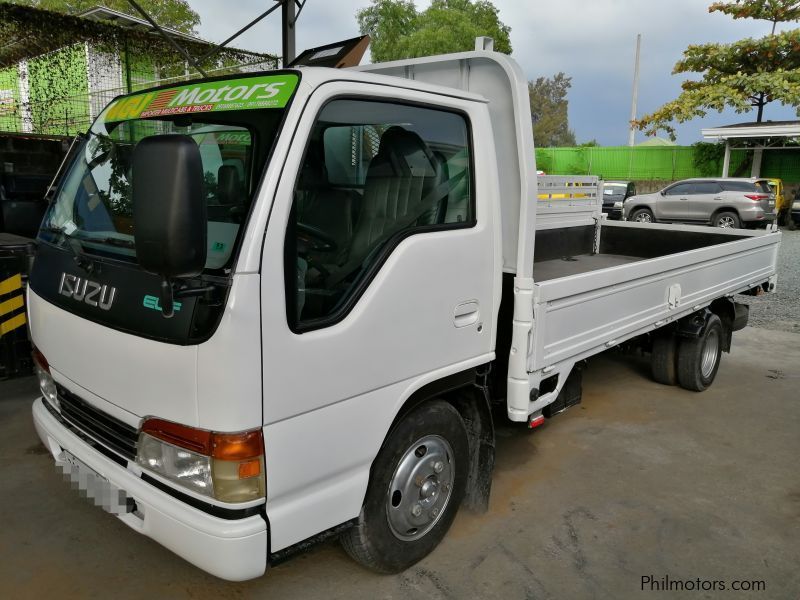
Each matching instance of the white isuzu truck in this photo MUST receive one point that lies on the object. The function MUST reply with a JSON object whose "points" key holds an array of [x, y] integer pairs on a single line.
{"points": [[281, 306]]}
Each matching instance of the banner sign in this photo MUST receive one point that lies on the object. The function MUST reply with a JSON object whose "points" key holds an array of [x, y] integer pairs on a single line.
{"points": [[247, 93]]}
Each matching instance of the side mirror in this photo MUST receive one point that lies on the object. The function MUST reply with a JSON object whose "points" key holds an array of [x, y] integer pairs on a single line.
{"points": [[169, 210]]}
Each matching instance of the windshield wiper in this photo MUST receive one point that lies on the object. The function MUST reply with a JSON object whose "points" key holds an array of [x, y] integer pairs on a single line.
{"points": [[112, 241], [74, 246]]}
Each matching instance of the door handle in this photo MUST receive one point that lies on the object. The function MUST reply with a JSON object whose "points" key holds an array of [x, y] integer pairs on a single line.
{"points": [[717, 198], [466, 314]]}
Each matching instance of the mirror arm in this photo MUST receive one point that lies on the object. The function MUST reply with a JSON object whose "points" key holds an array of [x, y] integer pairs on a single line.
{"points": [[167, 299], [187, 292]]}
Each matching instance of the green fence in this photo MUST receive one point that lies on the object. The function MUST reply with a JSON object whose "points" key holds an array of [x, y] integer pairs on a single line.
{"points": [[667, 163]]}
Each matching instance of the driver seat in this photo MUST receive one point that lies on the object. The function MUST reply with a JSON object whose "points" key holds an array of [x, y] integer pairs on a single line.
{"points": [[397, 191]]}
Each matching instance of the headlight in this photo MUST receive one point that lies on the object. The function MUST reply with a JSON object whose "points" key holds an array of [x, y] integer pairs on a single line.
{"points": [[618, 204], [796, 205], [182, 466], [46, 384], [225, 466]]}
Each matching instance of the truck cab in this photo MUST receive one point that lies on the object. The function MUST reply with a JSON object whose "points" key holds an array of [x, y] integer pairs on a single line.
{"points": [[324, 197]]}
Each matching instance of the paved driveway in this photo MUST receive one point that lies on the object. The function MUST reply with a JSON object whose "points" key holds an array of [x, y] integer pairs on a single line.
{"points": [[640, 480]]}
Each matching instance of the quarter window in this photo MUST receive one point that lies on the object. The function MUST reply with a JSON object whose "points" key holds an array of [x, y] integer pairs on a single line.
{"points": [[373, 173]]}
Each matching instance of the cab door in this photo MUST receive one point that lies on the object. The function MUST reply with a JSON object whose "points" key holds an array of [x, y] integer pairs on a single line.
{"points": [[378, 273]]}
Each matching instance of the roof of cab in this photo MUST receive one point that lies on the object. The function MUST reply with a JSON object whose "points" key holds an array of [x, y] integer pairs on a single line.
{"points": [[316, 76]]}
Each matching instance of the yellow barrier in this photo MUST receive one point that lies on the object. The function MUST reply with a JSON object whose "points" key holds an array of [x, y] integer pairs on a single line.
{"points": [[8, 286]]}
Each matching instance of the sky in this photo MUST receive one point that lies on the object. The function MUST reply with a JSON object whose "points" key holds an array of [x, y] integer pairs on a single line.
{"points": [[592, 41]]}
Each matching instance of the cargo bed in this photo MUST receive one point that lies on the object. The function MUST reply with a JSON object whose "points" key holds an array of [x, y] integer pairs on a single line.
{"points": [[642, 277]]}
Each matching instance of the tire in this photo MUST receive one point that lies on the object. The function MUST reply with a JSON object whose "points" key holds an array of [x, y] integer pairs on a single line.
{"points": [[642, 215], [726, 220], [699, 358], [663, 360], [429, 445]]}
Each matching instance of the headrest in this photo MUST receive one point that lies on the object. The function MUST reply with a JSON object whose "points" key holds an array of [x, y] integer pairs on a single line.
{"points": [[398, 142], [229, 186]]}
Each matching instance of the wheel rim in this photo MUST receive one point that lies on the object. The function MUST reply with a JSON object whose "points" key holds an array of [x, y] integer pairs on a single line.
{"points": [[726, 222], [420, 488], [643, 218], [710, 354]]}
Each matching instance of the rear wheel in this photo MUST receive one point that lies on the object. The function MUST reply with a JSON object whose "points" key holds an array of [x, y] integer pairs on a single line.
{"points": [[663, 359], [726, 220], [643, 215], [699, 358], [417, 483]]}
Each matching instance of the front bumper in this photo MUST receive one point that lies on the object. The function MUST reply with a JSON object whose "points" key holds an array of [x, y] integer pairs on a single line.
{"points": [[614, 214], [795, 211], [231, 549]]}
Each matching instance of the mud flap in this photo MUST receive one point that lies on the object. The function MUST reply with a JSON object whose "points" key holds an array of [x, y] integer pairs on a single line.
{"points": [[570, 394]]}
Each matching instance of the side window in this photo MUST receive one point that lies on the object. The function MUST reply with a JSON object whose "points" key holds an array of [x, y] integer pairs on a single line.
{"points": [[373, 173], [680, 189], [706, 187], [738, 186]]}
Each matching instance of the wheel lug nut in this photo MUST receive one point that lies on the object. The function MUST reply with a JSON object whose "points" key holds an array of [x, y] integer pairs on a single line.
{"points": [[434, 512], [416, 510], [438, 466]]}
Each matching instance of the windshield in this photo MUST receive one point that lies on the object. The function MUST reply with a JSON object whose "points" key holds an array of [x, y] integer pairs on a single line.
{"points": [[233, 122], [615, 189]]}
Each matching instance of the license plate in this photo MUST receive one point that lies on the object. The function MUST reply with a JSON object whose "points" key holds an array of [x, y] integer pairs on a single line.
{"points": [[93, 486]]}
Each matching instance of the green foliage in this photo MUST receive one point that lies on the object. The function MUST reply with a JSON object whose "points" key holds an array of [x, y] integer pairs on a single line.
{"points": [[777, 11], [54, 46], [176, 14], [707, 158], [548, 98], [388, 23], [398, 30], [744, 75]]}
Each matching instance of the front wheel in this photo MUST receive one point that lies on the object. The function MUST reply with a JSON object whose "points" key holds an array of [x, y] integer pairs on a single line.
{"points": [[416, 486], [699, 358], [727, 220], [643, 215]]}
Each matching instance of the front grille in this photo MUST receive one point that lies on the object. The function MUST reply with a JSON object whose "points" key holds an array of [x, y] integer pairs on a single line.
{"points": [[111, 432]]}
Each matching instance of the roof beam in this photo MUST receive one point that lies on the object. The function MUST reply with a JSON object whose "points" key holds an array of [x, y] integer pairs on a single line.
{"points": [[166, 36]]}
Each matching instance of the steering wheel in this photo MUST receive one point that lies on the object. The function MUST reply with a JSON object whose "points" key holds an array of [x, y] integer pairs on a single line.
{"points": [[315, 239]]}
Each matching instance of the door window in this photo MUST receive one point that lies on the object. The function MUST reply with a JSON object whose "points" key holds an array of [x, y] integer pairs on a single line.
{"points": [[373, 173], [680, 189]]}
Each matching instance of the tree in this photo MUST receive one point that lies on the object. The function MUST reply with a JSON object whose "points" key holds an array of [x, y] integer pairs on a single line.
{"points": [[548, 98], [745, 75], [398, 30], [176, 14]]}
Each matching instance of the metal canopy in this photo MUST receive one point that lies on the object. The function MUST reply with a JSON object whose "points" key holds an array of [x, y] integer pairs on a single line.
{"points": [[291, 10], [769, 135]]}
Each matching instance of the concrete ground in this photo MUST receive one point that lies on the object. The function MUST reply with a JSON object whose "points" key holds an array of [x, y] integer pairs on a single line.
{"points": [[639, 480]]}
